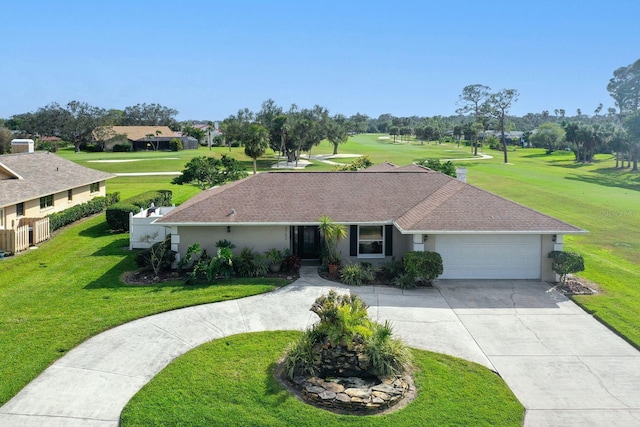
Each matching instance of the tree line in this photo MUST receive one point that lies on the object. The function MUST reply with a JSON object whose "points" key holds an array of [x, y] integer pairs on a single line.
{"points": [[294, 130], [76, 121]]}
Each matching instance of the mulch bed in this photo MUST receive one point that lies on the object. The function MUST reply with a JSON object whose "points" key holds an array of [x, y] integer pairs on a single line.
{"points": [[146, 277], [576, 286]]}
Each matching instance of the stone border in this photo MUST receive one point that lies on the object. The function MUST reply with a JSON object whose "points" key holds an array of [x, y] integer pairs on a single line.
{"points": [[380, 398]]}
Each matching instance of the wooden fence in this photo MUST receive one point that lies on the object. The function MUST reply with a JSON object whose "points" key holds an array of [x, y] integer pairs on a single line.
{"points": [[30, 231], [40, 227], [13, 241]]}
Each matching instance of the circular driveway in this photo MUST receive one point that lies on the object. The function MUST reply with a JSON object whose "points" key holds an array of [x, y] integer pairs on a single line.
{"points": [[564, 366]]}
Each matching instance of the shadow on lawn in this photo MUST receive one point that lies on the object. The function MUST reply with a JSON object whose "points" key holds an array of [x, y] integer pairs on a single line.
{"points": [[605, 178]]}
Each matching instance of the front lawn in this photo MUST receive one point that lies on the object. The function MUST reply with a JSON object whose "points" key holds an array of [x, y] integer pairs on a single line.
{"points": [[55, 297], [230, 382]]}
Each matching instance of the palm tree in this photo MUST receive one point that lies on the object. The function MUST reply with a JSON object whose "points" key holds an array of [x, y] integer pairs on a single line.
{"points": [[256, 141]]}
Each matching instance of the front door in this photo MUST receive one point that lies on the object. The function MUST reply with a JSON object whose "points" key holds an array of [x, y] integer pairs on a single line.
{"points": [[306, 241]]}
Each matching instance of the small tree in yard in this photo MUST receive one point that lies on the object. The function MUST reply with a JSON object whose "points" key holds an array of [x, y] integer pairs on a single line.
{"points": [[158, 257], [565, 263]]}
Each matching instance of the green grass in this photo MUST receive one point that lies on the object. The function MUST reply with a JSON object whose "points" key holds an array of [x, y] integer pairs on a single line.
{"points": [[129, 186], [55, 297], [230, 382]]}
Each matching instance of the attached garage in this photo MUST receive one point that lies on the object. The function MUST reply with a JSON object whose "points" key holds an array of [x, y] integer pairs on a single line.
{"points": [[486, 256]]}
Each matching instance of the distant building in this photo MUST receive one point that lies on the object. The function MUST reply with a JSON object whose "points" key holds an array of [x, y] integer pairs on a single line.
{"points": [[142, 138]]}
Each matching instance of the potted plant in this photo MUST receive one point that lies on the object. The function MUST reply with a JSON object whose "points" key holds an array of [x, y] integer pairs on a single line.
{"points": [[275, 257], [331, 233]]}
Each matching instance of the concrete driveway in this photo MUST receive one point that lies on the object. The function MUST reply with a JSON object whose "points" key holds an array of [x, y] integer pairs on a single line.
{"points": [[564, 366]]}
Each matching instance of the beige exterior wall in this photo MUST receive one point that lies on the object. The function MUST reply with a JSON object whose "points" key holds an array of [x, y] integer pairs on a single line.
{"points": [[258, 238], [60, 203], [548, 245]]}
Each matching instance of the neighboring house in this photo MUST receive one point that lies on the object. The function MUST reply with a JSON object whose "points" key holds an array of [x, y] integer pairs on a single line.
{"points": [[36, 184], [388, 211], [143, 138]]}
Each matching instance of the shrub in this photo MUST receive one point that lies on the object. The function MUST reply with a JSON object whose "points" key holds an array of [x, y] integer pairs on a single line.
{"points": [[175, 144], [192, 251], [446, 168], [60, 219], [122, 148], [352, 274], [357, 274], [387, 355], [157, 197], [565, 262], [360, 163], [118, 216], [199, 271], [424, 265], [392, 269], [249, 264], [93, 148], [404, 281], [291, 264], [343, 318], [221, 265], [300, 356]]}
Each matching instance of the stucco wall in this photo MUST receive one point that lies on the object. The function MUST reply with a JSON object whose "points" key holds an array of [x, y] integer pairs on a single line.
{"points": [[548, 245], [258, 238]]}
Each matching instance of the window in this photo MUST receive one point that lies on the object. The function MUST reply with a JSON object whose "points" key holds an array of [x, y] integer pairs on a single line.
{"points": [[371, 241], [1, 218], [46, 201], [95, 187], [69, 195], [20, 209]]}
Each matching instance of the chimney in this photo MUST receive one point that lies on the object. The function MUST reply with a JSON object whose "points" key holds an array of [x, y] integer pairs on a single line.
{"points": [[22, 146], [461, 174]]}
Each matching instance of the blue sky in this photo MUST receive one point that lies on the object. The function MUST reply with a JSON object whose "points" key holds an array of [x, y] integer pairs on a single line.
{"points": [[207, 59]]}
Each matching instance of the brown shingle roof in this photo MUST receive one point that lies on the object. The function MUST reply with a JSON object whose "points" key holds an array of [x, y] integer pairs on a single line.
{"points": [[42, 174], [135, 133], [414, 201]]}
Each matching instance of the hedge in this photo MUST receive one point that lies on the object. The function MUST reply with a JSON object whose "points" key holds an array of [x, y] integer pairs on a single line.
{"points": [[118, 215], [144, 200], [122, 148], [60, 219]]}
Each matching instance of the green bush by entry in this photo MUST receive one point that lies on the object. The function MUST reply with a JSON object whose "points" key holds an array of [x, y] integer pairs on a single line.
{"points": [[423, 265], [357, 274]]}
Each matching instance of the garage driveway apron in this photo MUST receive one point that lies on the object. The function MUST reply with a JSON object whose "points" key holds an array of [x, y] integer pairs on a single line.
{"points": [[564, 366]]}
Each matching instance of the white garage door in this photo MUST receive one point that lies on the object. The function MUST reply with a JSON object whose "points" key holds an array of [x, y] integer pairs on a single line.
{"points": [[490, 256]]}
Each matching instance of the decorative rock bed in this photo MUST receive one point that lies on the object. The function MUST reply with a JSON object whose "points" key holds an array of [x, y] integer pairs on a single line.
{"points": [[346, 363], [352, 394]]}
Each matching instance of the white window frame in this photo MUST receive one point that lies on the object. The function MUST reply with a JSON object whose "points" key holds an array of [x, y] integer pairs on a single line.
{"points": [[53, 200], [382, 240]]}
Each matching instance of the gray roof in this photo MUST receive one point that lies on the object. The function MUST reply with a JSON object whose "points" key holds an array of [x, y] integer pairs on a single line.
{"points": [[42, 173], [414, 198]]}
